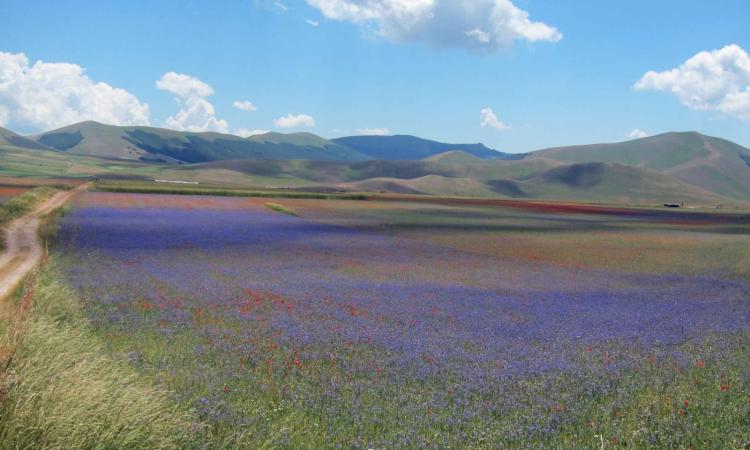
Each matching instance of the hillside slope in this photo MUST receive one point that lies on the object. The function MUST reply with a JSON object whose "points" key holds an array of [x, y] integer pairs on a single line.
{"points": [[11, 139], [595, 182], [710, 163], [160, 145]]}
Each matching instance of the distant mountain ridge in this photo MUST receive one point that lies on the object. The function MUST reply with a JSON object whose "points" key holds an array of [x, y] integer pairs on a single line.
{"points": [[158, 145], [405, 147], [671, 168]]}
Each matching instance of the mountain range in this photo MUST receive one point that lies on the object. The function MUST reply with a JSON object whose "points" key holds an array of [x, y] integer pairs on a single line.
{"points": [[160, 145], [671, 167]]}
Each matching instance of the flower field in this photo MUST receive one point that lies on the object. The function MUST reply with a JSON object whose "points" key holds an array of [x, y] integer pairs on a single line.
{"points": [[8, 192], [408, 325]]}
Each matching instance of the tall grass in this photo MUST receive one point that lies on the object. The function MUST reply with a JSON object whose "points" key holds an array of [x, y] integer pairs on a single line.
{"points": [[281, 208], [189, 190], [51, 225], [61, 389], [24, 203]]}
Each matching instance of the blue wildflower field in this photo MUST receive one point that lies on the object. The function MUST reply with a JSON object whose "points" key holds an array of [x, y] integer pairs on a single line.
{"points": [[450, 328]]}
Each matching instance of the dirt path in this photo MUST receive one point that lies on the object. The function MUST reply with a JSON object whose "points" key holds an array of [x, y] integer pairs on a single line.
{"points": [[23, 248]]}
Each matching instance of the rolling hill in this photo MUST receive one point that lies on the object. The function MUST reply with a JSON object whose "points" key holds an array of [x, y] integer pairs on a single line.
{"points": [[403, 147], [11, 139], [158, 145], [711, 163], [669, 168], [594, 182]]}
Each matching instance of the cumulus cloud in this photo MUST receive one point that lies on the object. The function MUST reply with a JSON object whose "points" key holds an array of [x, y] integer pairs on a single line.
{"points": [[183, 86], [292, 121], [244, 132], [638, 134], [374, 131], [474, 24], [717, 80], [489, 119], [196, 113], [50, 95], [244, 105], [312, 23]]}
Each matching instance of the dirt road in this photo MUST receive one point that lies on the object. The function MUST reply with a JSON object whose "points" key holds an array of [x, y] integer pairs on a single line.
{"points": [[23, 248]]}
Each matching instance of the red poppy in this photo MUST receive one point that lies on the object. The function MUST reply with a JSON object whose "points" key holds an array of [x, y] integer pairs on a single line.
{"points": [[700, 363]]}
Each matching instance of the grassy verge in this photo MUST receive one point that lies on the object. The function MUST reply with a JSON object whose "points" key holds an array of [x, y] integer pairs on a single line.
{"points": [[189, 190], [61, 389], [51, 224], [23, 203], [281, 208]]}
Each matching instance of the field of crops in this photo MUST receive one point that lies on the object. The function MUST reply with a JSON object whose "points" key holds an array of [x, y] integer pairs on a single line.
{"points": [[8, 192], [385, 324]]}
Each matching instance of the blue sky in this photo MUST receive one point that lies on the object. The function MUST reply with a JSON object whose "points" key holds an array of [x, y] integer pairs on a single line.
{"points": [[569, 80]]}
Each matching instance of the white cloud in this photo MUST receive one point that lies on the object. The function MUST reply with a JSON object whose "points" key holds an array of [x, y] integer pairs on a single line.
{"points": [[184, 86], [292, 121], [374, 131], [481, 36], [637, 134], [718, 80], [474, 24], [196, 113], [244, 105], [312, 23], [489, 119], [50, 95], [244, 132], [282, 7]]}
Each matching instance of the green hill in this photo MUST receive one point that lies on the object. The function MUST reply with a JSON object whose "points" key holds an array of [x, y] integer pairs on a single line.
{"points": [[160, 145], [710, 163], [596, 181], [669, 168], [591, 182], [11, 139]]}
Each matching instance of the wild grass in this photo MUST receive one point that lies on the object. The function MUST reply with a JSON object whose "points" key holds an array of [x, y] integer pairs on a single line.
{"points": [[191, 190], [51, 225], [22, 204], [61, 389], [281, 208]]}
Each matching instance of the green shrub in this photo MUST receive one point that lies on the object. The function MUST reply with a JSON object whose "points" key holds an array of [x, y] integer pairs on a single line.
{"points": [[281, 208], [20, 205]]}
